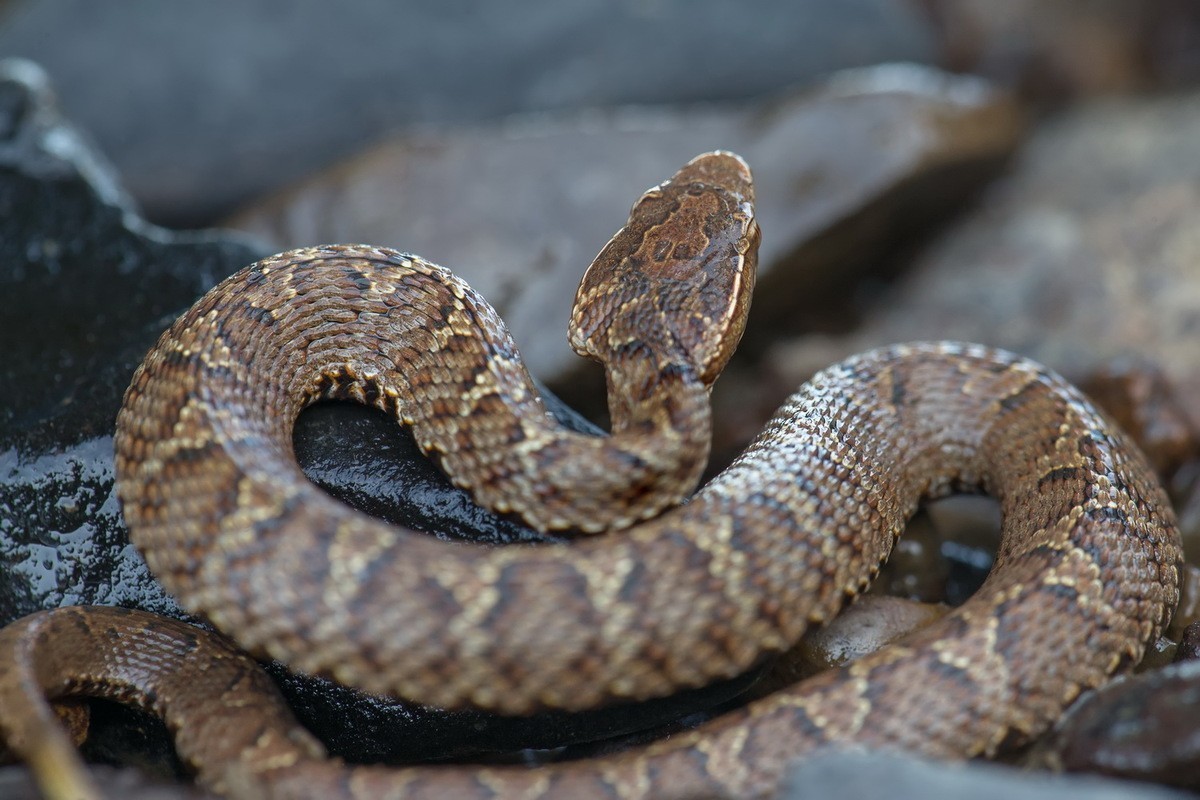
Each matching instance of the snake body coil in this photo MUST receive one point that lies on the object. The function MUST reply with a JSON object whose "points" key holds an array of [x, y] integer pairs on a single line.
{"points": [[1086, 574]]}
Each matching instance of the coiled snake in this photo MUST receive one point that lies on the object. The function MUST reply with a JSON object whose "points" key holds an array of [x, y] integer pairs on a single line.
{"points": [[1086, 574]]}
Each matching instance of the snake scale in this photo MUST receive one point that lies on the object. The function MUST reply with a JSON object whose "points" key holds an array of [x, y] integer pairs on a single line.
{"points": [[1087, 570]]}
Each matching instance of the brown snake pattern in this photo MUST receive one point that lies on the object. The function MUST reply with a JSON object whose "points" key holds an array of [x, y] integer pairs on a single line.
{"points": [[1087, 571]]}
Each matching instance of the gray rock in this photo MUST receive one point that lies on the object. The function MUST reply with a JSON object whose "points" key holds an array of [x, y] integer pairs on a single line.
{"points": [[882, 776], [842, 172], [203, 106]]}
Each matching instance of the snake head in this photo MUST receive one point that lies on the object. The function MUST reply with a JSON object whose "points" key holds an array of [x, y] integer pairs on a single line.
{"points": [[675, 282]]}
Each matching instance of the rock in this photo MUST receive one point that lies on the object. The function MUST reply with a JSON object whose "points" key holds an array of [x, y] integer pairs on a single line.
{"points": [[1047, 265], [883, 776], [1141, 726], [1085, 255], [864, 627], [86, 286], [1189, 643], [129, 784], [1139, 397], [1057, 49], [843, 173], [203, 107]]}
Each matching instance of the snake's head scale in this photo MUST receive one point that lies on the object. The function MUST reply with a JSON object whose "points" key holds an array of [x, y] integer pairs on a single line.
{"points": [[677, 279]]}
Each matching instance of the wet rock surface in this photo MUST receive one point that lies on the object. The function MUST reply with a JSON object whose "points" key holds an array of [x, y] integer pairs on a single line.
{"points": [[86, 286], [843, 172], [881, 776]]}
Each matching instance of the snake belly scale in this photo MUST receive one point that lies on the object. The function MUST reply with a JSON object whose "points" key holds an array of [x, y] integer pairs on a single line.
{"points": [[1087, 571]]}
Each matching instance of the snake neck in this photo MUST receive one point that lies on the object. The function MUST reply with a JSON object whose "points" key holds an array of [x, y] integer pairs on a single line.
{"points": [[525, 462], [516, 458]]}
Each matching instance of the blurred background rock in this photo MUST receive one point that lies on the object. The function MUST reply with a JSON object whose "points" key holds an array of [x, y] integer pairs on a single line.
{"points": [[205, 106]]}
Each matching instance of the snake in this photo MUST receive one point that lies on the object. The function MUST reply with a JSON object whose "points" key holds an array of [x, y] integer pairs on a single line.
{"points": [[686, 587]]}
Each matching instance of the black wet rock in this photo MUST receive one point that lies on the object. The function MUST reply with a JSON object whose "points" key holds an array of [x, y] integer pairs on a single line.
{"points": [[365, 729], [1142, 726], [887, 776], [86, 286]]}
